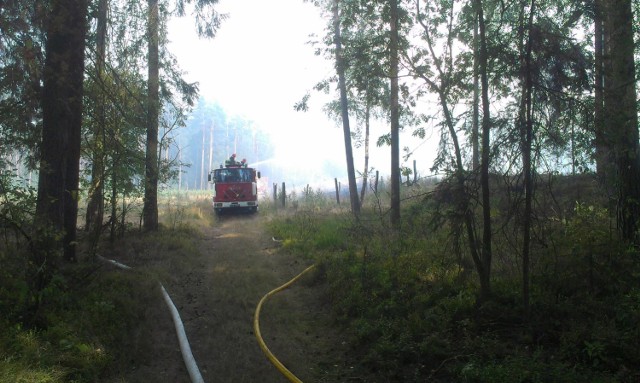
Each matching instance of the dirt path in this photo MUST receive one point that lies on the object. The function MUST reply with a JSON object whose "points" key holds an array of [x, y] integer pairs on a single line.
{"points": [[217, 298]]}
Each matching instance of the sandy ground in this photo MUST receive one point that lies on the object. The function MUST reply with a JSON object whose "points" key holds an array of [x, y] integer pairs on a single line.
{"points": [[217, 298]]}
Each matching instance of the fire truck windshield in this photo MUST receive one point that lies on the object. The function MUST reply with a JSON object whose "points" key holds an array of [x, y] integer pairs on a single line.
{"points": [[232, 175]]}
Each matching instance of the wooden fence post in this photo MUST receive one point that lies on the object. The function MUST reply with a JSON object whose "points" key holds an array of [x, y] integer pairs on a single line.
{"points": [[337, 190], [415, 173]]}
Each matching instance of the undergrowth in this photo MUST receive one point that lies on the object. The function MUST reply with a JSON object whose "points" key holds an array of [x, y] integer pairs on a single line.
{"points": [[409, 300], [89, 321], [93, 319]]}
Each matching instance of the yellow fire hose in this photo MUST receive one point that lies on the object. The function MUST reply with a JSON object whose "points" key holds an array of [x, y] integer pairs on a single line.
{"points": [[256, 329]]}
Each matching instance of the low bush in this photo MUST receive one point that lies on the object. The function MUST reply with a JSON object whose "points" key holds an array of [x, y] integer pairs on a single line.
{"points": [[409, 300], [88, 326], [94, 316]]}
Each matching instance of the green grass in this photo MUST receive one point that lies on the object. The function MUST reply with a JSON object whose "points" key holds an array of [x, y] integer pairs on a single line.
{"points": [[186, 209], [86, 327], [93, 318], [409, 300]]}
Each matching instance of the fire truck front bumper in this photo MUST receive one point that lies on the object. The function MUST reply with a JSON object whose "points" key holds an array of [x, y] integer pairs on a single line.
{"points": [[250, 205]]}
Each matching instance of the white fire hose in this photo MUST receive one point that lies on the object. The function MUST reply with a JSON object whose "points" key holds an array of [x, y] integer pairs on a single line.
{"points": [[187, 355]]}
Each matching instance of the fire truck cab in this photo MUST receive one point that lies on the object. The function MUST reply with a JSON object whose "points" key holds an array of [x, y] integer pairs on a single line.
{"points": [[234, 187]]}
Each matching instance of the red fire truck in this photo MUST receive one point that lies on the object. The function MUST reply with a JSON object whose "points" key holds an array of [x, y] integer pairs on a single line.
{"points": [[234, 187]]}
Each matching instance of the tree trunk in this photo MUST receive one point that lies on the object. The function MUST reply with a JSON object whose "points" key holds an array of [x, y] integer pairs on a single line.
{"points": [[95, 204], [150, 210], [202, 151], [603, 160], [621, 114], [525, 119], [461, 197], [114, 199], [57, 203], [485, 280], [475, 118], [394, 115], [365, 173], [210, 151], [344, 107], [179, 168]]}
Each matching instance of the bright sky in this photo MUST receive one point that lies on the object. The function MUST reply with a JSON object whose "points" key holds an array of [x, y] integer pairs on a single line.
{"points": [[259, 65]]}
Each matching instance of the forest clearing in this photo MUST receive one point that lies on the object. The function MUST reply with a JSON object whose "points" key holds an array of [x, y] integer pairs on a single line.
{"points": [[216, 290], [115, 327]]}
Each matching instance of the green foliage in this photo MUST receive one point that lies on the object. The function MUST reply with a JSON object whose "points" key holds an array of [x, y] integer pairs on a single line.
{"points": [[90, 321], [17, 206], [588, 227], [22, 25], [306, 232], [527, 368], [401, 310], [21, 355], [409, 300], [14, 291], [316, 200]]}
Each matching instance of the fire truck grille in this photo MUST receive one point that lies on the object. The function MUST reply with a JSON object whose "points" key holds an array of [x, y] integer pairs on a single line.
{"points": [[233, 194]]}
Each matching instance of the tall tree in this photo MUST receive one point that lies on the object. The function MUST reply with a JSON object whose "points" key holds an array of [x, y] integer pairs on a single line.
{"points": [[203, 170], [603, 162], [207, 23], [95, 204], [394, 108], [525, 122], [485, 267], [622, 113], [57, 203], [150, 209], [344, 108], [444, 87], [365, 58], [475, 112], [367, 128]]}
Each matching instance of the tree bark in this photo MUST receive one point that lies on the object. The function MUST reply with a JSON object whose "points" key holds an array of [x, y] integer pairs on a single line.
{"points": [[210, 151], [57, 202], [475, 118], [394, 115], [525, 120], [485, 278], [365, 173], [150, 210], [603, 161], [113, 222], [462, 198], [622, 114], [202, 156], [344, 108], [95, 203]]}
